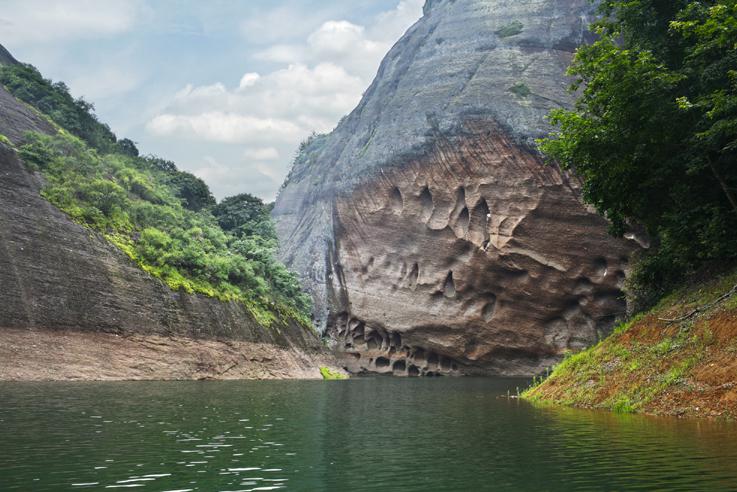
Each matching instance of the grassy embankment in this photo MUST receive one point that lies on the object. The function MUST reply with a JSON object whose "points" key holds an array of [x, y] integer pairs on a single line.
{"points": [[667, 361]]}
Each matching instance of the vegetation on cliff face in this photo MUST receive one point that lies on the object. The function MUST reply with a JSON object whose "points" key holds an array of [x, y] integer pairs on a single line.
{"points": [[654, 132], [653, 136], [686, 367], [329, 374], [164, 219], [53, 99]]}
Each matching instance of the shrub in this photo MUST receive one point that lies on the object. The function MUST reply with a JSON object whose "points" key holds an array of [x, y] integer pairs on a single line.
{"points": [[511, 29], [520, 89], [135, 202]]}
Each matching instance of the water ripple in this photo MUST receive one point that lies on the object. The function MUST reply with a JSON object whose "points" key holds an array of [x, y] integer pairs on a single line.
{"points": [[358, 435]]}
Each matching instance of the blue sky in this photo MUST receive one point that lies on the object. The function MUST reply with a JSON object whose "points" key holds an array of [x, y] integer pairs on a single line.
{"points": [[226, 89]]}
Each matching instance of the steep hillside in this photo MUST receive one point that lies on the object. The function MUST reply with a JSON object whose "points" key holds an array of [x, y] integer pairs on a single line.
{"points": [[433, 239], [82, 266], [679, 359]]}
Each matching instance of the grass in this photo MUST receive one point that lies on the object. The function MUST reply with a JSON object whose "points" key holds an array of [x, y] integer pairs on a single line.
{"points": [[520, 89], [647, 365], [511, 29], [329, 374]]}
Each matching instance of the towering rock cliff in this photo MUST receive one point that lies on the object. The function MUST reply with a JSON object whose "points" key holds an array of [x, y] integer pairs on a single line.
{"points": [[432, 236]]}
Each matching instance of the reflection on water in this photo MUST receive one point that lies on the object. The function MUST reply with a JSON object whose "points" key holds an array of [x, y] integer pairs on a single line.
{"points": [[362, 434]]}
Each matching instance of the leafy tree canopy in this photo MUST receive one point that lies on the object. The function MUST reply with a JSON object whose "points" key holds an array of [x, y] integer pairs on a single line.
{"points": [[54, 100], [245, 214], [653, 134]]}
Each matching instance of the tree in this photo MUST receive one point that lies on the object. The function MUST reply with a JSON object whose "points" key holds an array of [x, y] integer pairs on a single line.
{"points": [[127, 147], [194, 192], [653, 134], [244, 214]]}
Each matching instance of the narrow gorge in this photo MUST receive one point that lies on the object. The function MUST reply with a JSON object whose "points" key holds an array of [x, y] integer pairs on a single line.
{"points": [[431, 234]]}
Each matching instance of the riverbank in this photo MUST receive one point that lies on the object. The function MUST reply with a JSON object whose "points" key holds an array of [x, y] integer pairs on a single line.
{"points": [[678, 359], [44, 355]]}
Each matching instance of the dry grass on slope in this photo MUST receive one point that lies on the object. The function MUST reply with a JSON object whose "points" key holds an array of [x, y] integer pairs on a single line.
{"points": [[686, 367]]}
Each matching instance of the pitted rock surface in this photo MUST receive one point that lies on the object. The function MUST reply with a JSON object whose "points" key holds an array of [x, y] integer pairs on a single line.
{"points": [[433, 239]]}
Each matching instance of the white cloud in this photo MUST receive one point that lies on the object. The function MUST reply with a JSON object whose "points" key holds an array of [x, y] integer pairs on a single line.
{"points": [[281, 107], [322, 76], [248, 80], [40, 21], [105, 81], [389, 26], [262, 178], [261, 154], [288, 21], [358, 49], [224, 127]]}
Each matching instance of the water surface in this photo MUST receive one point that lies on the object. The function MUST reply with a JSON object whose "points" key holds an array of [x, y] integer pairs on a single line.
{"points": [[357, 435]]}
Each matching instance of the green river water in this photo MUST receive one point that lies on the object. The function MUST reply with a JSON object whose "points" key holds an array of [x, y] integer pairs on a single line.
{"points": [[363, 434]]}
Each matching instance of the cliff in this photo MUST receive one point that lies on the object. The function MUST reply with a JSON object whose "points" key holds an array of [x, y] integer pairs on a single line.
{"points": [[60, 279], [432, 236]]}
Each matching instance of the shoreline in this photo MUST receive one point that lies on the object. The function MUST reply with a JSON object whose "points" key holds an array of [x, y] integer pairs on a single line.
{"points": [[67, 355], [678, 359]]}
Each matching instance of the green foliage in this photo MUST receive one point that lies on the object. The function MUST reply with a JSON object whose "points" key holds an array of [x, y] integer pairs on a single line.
{"points": [[623, 405], [53, 99], [244, 214], [511, 29], [520, 89], [127, 147], [329, 374], [194, 193], [5, 140], [160, 218], [156, 214], [642, 360], [654, 132]]}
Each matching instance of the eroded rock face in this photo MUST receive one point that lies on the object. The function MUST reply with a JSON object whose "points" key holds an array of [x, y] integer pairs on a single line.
{"points": [[433, 239], [476, 254]]}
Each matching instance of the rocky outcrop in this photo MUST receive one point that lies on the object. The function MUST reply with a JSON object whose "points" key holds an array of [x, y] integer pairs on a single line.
{"points": [[17, 118], [433, 237], [58, 275], [6, 58]]}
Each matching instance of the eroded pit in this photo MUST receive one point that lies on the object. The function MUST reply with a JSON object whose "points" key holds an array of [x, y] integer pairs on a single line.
{"points": [[396, 201], [449, 287]]}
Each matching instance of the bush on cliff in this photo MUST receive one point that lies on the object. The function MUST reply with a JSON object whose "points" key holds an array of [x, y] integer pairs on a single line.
{"points": [[160, 216], [654, 132], [139, 204], [53, 99]]}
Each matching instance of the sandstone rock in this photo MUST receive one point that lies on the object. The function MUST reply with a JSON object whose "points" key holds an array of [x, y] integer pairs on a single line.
{"points": [[43, 355], [17, 118], [432, 237], [58, 275]]}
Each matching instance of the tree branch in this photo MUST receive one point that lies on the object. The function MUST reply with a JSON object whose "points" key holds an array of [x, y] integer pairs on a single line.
{"points": [[699, 309]]}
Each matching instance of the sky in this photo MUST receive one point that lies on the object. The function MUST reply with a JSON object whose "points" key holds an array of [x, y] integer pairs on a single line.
{"points": [[226, 89]]}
